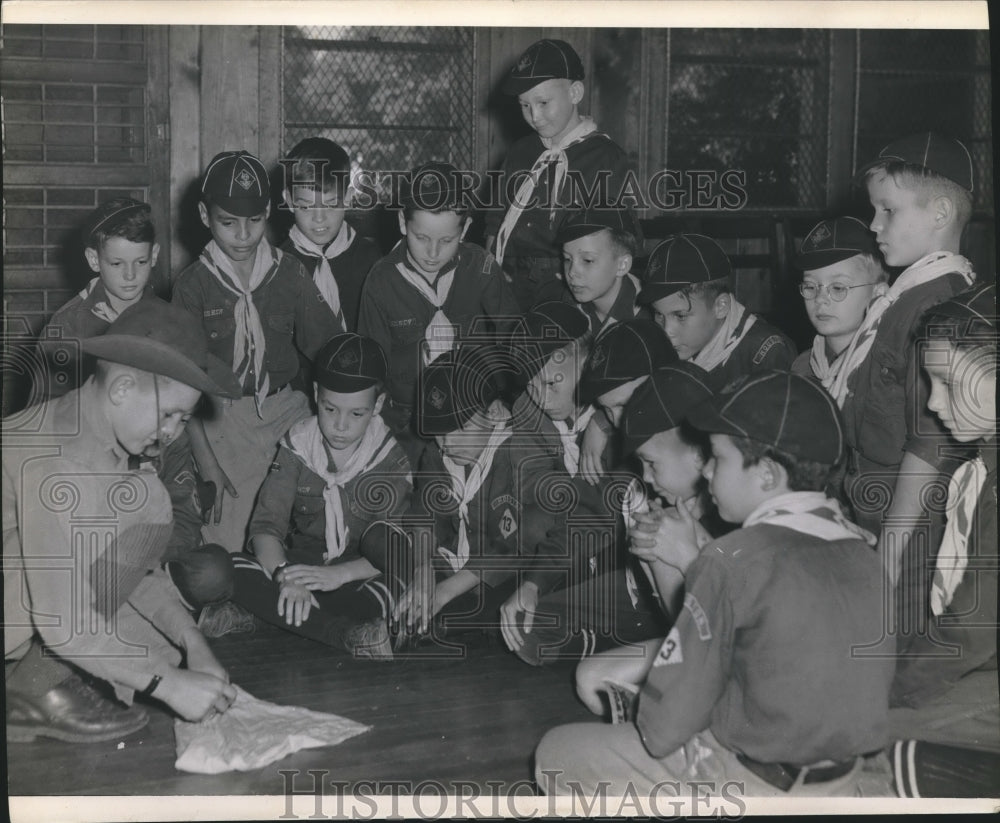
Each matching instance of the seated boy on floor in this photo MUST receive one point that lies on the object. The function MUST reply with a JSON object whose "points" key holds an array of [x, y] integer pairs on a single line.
{"points": [[431, 290], [121, 248], [325, 537], [467, 518], [756, 681], [689, 287], [548, 450], [338, 259], [841, 273], [69, 495], [958, 351], [597, 248]]}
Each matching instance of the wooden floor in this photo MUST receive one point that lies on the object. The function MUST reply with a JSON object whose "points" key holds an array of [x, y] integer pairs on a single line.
{"points": [[474, 717]]}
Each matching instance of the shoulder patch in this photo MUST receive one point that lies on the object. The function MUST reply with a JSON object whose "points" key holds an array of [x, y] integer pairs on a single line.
{"points": [[497, 502], [508, 524], [765, 347], [213, 312], [670, 652], [698, 615]]}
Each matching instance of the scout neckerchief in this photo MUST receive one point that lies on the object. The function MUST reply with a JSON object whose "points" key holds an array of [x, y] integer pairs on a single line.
{"points": [[810, 513], [465, 488], [826, 370], [101, 307], [323, 274], [928, 268], [569, 437], [554, 153], [729, 335], [624, 305], [953, 557], [248, 345], [439, 337], [305, 440]]}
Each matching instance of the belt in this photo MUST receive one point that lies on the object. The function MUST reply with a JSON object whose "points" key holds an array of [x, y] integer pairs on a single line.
{"points": [[784, 775]]}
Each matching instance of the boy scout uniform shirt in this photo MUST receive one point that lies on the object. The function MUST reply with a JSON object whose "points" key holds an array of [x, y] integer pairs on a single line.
{"points": [[494, 521], [82, 540], [885, 413], [761, 653], [290, 506], [624, 307], [292, 313], [350, 268], [396, 316], [764, 348], [535, 232]]}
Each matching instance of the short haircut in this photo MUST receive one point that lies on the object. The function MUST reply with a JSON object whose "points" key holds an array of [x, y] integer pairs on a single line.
{"points": [[927, 185], [803, 475], [121, 217], [460, 208], [872, 266], [696, 439], [708, 290], [625, 242], [317, 157]]}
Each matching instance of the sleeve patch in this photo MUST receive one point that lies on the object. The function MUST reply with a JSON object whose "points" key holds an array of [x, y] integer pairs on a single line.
{"points": [[670, 652], [765, 347], [698, 615]]}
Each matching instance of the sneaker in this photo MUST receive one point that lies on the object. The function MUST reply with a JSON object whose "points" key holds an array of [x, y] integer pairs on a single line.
{"points": [[226, 618], [369, 640], [74, 712]]}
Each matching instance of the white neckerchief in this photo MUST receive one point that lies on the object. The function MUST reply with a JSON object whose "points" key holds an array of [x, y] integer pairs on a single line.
{"points": [[953, 556], [103, 308], [609, 319], [733, 329], [249, 343], [928, 268], [465, 488], [323, 274], [634, 501], [554, 152], [439, 337], [306, 442], [568, 436], [822, 367], [810, 513]]}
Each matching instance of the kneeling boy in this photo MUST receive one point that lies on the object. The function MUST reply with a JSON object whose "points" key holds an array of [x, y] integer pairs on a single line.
{"points": [[756, 682]]}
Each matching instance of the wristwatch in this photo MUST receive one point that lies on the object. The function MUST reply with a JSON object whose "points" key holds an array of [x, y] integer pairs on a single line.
{"points": [[277, 571]]}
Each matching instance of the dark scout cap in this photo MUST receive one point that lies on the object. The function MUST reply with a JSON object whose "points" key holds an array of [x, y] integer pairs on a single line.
{"points": [[161, 338], [544, 60], [974, 313], [431, 187], [237, 182], [543, 331], [662, 402], [785, 411], [457, 385], [935, 153], [350, 363], [831, 241], [110, 215], [581, 222], [681, 261], [624, 352]]}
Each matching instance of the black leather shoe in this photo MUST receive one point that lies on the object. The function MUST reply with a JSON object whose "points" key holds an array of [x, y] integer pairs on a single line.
{"points": [[71, 711]]}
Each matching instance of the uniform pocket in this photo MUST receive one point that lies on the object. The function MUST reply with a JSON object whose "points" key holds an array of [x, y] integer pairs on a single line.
{"points": [[282, 323], [219, 328]]}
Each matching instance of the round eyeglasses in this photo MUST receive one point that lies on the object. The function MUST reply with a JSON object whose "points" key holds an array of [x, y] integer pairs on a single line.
{"points": [[837, 292]]}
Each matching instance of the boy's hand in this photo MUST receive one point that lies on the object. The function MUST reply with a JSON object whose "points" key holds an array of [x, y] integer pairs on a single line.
{"points": [[670, 536], [628, 666], [315, 578], [591, 449], [214, 474], [416, 605], [525, 600], [195, 695], [295, 602]]}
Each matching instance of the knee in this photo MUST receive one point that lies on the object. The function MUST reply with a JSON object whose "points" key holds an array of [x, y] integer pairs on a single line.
{"points": [[552, 757], [203, 576]]}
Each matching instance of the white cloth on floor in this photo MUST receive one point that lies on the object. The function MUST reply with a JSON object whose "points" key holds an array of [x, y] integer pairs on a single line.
{"points": [[254, 733]]}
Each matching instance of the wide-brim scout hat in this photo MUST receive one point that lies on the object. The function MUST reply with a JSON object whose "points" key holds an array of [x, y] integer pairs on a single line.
{"points": [[350, 363], [164, 339], [581, 222], [682, 261], [626, 351], [663, 402], [541, 61], [456, 386], [831, 241], [786, 411], [237, 182], [546, 329], [935, 153]]}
